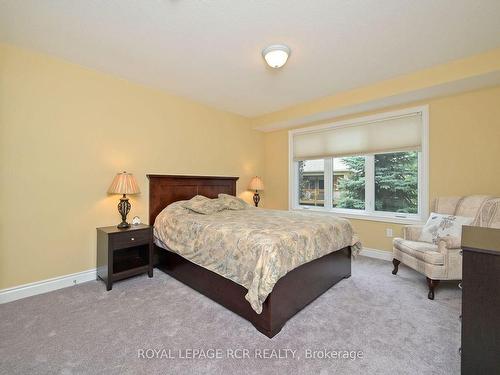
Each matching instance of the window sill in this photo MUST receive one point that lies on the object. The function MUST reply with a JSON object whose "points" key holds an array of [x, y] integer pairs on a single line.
{"points": [[362, 216]]}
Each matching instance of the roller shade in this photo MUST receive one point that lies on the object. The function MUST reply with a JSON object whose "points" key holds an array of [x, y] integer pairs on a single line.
{"points": [[402, 133]]}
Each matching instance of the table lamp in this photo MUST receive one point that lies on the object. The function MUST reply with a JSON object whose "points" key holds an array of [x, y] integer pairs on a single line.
{"points": [[124, 183], [256, 184]]}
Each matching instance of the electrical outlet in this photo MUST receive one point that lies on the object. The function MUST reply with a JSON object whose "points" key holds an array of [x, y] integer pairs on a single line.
{"points": [[388, 232]]}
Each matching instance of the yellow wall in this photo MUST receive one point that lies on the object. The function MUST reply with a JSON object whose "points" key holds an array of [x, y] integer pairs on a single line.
{"points": [[464, 138], [64, 133]]}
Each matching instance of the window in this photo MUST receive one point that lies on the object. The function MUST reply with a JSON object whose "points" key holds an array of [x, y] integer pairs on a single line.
{"points": [[372, 168], [349, 182], [396, 182], [311, 186]]}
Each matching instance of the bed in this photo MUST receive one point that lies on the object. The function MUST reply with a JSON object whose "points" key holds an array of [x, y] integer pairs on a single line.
{"points": [[291, 293]]}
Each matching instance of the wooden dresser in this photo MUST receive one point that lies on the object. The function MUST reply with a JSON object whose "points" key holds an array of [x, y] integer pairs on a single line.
{"points": [[480, 301]]}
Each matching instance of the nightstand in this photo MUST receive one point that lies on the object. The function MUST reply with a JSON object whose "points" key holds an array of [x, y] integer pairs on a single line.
{"points": [[123, 253]]}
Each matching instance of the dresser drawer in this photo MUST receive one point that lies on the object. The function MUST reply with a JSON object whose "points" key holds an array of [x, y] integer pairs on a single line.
{"points": [[131, 238]]}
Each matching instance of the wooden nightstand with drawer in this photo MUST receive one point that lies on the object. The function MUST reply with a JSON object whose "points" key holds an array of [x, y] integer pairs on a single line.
{"points": [[123, 253]]}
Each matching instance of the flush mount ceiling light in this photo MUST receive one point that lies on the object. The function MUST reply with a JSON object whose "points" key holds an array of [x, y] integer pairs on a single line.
{"points": [[276, 55]]}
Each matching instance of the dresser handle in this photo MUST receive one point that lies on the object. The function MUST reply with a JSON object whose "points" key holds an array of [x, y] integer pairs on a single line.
{"points": [[460, 350], [461, 252], [132, 239], [460, 317], [460, 285]]}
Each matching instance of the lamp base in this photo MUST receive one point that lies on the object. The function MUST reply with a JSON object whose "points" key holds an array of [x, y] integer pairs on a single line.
{"points": [[123, 225], [124, 209], [256, 199]]}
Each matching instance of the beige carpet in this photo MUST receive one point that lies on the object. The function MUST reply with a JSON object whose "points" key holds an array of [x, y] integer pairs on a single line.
{"points": [[86, 330]]}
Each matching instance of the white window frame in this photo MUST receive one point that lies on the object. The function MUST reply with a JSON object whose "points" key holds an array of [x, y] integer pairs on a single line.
{"points": [[367, 214]]}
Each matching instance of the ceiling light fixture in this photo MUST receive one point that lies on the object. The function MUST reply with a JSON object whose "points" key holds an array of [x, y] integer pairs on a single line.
{"points": [[276, 55]]}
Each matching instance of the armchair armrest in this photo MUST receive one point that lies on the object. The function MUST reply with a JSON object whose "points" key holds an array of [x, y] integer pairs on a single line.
{"points": [[449, 243], [412, 232]]}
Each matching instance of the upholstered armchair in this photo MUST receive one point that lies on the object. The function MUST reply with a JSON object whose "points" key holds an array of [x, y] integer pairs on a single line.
{"points": [[443, 261]]}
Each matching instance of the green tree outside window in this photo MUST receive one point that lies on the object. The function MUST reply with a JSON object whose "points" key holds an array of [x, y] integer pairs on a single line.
{"points": [[396, 183]]}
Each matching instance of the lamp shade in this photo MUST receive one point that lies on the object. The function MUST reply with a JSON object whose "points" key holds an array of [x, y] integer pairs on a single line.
{"points": [[256, 184], [124, 183]]}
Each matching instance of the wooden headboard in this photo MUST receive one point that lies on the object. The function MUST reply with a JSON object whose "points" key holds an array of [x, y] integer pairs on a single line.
{"points": [[166, 189]]}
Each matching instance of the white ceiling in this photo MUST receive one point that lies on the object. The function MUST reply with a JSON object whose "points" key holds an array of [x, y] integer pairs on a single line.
{"points": [[209, 50]]}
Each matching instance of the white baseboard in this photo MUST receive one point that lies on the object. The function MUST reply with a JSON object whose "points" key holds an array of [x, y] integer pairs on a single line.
{"points": [[44, 286], [375, 253]]}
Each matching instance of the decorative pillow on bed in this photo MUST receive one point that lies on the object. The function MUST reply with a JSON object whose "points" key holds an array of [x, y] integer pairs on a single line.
{"points": [[444, 226], [231, 202], [203, 205]]}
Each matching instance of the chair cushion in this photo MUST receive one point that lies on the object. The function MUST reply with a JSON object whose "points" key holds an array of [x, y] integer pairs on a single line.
{"points": [[489, 216], [470, 206], [423, 251], [444, 226], [446, 205]]}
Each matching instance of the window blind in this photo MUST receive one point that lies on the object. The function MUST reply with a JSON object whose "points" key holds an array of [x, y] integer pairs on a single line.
{"points": [[402, 133]]}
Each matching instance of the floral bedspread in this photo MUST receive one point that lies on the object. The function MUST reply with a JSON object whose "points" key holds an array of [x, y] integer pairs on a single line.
{"points": [[252, 247]]}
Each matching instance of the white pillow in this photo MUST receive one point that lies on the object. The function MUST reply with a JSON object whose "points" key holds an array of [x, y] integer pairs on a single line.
{"points": [[444, 226], [231, 202], [203, 205]]}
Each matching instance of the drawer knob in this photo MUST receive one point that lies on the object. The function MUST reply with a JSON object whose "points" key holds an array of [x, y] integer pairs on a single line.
{"points": [[460, 285], [132, 239]]}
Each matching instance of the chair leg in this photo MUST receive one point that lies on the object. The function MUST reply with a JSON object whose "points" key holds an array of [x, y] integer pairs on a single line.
{"points": [[395, 262], [432, 284]]}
